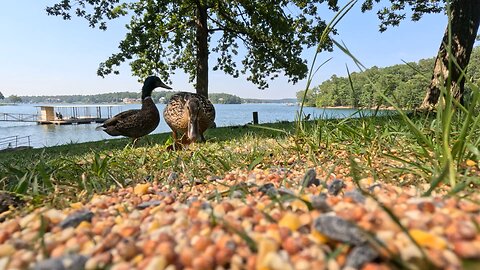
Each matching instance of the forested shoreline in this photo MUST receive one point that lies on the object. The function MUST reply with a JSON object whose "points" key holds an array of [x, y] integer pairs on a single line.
{"points": [[405, 84], [120, 97]]}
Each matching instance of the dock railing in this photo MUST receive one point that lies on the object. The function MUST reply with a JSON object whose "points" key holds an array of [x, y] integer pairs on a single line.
{"points": [[18, 117], [14, 142]]}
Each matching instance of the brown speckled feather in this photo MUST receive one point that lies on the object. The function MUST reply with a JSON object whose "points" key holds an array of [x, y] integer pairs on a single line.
{"points": [[176, 115]]}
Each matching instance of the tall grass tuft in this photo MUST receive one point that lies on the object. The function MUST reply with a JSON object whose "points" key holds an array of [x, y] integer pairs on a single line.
{"points": [[437, 146], [441, 144], [433, 148]]}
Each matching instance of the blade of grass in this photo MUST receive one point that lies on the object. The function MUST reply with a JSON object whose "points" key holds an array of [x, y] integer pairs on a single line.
{"points": [[255, 162], [323, 40], [436, 182], [268, 128]]}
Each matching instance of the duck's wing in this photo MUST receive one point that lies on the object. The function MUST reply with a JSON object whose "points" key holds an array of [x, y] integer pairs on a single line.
{"points": [[208, 109], [119, 118]]}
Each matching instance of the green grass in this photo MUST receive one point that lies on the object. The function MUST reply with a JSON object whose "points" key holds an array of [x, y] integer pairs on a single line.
{"points": [[383, 147], [91, 167]]}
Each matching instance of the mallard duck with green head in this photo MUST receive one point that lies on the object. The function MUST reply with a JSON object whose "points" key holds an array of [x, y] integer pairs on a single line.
{"points": [[138, 122], [190, 114]]}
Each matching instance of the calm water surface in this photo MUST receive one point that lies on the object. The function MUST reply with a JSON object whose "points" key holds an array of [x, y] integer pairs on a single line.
{"points": [[227, 115]]}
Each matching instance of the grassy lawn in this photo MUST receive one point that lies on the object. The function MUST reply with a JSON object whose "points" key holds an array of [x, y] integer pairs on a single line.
{"points": [[383, 148]]}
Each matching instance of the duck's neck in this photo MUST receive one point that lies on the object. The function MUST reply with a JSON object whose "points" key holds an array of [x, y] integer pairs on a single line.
{"points": [[146, 93], [147, 102]]}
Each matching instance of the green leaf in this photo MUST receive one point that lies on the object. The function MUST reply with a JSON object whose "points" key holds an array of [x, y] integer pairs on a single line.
{"points": [[255, 162]]}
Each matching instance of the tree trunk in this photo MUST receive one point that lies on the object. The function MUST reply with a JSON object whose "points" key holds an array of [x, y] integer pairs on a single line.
{"points": [[202, 50], [464, 22]]}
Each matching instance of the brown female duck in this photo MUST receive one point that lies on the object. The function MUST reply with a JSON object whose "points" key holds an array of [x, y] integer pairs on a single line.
{"points": [[190, 114], [140, 122]]}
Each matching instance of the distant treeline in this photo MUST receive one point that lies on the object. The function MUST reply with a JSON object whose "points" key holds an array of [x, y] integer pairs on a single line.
{"points": [[405, 84], [283, 100], [120, 97]]}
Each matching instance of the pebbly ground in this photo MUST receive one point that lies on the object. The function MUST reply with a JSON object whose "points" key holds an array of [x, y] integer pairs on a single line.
{"points": [[260, 219]]}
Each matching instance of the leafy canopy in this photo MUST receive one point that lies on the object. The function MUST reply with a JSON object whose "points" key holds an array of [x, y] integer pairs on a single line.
{"points": [[392, 15], [161, 35]]}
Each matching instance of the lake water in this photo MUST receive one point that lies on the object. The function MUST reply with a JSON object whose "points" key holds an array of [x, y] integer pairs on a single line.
{"points": [[226, 115]]}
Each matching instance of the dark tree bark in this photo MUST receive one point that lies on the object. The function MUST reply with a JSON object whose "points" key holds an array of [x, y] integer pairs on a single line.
{"points": [[202, 50], [465, 18]]}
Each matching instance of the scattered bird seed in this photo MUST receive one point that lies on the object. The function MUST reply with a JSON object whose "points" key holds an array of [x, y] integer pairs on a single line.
{"points": [[335, 187], [69, 262], [339, 229], [266, 187], [144, 205], [237, 194], [310, 179], [355, 195], [286, 191], [360, 255], [197, 230], [206, 206], [320, 203], [172, 176], [76, 218], [374, 186], [8, 199]]}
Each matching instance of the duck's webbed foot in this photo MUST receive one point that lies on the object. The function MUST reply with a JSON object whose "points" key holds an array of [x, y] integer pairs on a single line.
{"points": [[178, 144], [185, 140], [134, 141]]}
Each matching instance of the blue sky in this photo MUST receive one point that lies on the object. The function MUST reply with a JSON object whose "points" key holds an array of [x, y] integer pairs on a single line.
{"points": [[44, 55]]}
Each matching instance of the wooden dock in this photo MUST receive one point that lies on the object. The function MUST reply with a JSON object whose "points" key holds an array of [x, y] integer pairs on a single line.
{"points": [[71, 121]]}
